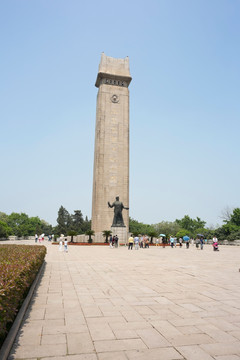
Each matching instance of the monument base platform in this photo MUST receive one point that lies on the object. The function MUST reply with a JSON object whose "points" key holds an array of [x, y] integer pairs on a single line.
{"points": [[121, 232]]}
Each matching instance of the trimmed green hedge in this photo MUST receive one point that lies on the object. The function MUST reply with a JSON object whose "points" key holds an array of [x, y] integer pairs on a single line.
{"points": [[19, 265]]}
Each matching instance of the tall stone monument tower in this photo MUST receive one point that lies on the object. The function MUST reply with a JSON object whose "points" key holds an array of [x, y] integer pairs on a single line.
{"points": [[111, 155]]}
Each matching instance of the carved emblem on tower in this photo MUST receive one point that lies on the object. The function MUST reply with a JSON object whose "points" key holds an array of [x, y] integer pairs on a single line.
{"points": [[115, 98]]}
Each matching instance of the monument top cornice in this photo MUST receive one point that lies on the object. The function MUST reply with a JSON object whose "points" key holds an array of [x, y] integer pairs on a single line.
{"points": [[113, 68]]}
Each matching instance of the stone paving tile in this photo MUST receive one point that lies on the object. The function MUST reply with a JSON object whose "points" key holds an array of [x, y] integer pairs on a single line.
{"points": [[54, 313], [223, 324], [166, 329], [107, 310], [134, 325], [155, 354], [106, 319], [73, 357], [71, 305], [101, 332], [32, 339], [216, 334], [37, 314], [193, 352], [131, 315], [187, 322], [73, 318], [228, 357], [236, 334], [54, 300], [91, 311], [30, 334], [144, 310], [152, 338], [64, 329], [119, 355], [53, 339], [125, 334], [119, 345], [192, 339], [221, 348], [79, 343], [187, 330], [28, 351]]}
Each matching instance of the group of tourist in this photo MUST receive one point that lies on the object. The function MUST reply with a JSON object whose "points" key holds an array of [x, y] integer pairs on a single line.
{"points": [[113, 241], [63, 244], [41, 237], [142, 242]]}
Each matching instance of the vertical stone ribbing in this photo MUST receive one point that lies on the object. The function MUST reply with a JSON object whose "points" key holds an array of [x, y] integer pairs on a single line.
{"points": [[111, 155]]}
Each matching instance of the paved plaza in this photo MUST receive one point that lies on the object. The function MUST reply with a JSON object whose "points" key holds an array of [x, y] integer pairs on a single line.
{"points": [[97, 303]]}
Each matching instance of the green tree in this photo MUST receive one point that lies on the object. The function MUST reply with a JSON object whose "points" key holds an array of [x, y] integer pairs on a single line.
{"points": [[235, 217], [19, 224], [152, 234], [106, 234], [167, 227], [72, 233], [191, 225], [86, 225], [182, 232], [231, 229], [64, 221], [136, 227], [3, 217], [77, 221], [5, 230], [90, 233]]}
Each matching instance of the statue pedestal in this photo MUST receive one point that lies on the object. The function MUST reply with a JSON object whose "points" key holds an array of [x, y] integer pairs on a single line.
{"points": [[121, 232]]}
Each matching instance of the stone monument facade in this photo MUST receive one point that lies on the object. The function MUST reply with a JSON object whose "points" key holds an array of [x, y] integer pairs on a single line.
{"points": [[111, 155]]}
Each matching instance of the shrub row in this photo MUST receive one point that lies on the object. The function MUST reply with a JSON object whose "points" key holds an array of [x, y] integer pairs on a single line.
{"points": [[19, 265]]}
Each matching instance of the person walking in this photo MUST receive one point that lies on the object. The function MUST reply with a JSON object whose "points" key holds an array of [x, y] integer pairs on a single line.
{"points": [[180, 242], [146, 242], [36, 238], [65, 245], [136, 242], [60, 245], [172, 241], [116, 241], [130, 243], [110, 241]]}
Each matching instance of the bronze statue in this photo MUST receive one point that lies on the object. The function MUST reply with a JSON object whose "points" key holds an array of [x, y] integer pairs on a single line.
{"points": [[118, 207]]}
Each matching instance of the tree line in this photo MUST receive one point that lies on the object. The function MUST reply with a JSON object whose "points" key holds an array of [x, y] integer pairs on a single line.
{"points": [[22, 225], [230, 230]]}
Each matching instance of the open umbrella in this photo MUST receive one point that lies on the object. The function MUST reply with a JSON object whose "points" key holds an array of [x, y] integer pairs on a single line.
{"points": [[162, 235], [201, 235], [186, 238]]}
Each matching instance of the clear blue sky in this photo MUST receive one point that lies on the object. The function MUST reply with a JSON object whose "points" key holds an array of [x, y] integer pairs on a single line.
{"points": [[184, 104]]}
